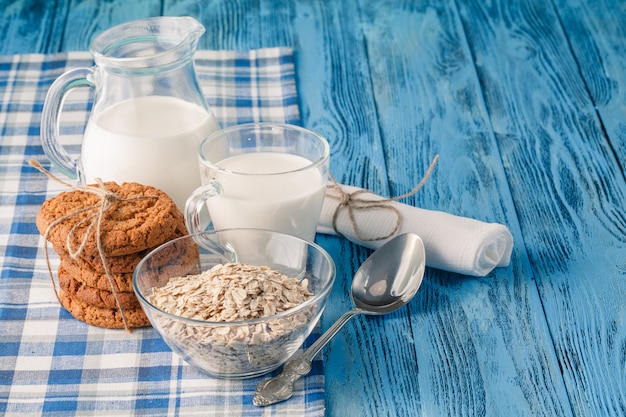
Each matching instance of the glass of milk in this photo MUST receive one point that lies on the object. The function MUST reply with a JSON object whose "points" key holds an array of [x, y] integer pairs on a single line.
{"points": [[262, 176], [149, 113]]}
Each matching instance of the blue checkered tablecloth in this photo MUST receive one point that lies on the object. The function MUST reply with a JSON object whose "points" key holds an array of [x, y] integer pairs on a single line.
{"points": [[52, 364]]}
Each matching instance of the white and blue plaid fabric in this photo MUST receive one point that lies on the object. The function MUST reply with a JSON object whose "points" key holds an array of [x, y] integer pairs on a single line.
{"points": [[52, 364]]}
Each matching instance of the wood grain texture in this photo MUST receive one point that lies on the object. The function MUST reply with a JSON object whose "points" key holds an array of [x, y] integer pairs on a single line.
{"points": [[31, 26], [596, 35], [569, 201], [230, 24], [457, 327], [87, 18]]}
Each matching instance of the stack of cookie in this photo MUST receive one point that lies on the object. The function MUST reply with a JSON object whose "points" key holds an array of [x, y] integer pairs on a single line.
{"points": [[134, 220]]}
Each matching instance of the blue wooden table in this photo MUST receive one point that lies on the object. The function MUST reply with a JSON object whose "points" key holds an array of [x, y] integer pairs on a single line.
{"points": [[525, 102]]}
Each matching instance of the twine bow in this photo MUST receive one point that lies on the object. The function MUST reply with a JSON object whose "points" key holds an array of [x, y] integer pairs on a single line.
{"points": [[93, 222], [351, 202]]}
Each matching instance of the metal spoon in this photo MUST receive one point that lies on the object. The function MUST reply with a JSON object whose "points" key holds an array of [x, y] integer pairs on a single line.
{"points": [[386, 281]]}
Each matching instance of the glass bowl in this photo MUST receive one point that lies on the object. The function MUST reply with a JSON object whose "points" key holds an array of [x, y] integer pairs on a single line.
{"points": [[242, 348]]}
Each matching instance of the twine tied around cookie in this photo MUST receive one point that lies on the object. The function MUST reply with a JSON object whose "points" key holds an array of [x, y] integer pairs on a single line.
{"points": [[352, 202], [93, 222]]}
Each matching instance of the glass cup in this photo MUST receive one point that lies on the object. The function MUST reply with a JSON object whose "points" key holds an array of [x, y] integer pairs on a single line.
{"points": [[261, 176]]}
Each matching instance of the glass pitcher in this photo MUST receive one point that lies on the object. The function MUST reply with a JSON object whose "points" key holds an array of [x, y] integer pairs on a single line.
{"points": [[149, 114]]}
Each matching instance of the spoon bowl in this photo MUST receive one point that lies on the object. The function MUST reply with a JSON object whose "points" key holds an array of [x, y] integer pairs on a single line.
{"points": [[386, 281], [391, 276]]}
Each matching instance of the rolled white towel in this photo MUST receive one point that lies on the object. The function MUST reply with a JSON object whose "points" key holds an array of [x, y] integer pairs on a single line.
{"points": [[453, 243]]}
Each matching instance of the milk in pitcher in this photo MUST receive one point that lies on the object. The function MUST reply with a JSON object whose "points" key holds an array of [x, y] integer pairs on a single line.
{"points": [[151, 140]]}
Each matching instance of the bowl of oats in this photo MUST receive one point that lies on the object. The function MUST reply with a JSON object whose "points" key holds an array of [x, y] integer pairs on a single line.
{"points": [[236, 303]]}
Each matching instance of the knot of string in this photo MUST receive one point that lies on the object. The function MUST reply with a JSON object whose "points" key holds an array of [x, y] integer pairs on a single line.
{"points": [[352, 202], [92, 223]]}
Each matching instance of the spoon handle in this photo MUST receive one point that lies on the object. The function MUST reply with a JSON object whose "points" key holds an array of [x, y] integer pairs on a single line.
{"points": [[280, 387]]}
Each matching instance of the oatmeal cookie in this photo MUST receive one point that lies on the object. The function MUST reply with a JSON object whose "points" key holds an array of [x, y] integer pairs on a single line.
{"points": [[91, 271], [117, 264], [145, 217], [110, 318], [94, 296], [93, 275]]}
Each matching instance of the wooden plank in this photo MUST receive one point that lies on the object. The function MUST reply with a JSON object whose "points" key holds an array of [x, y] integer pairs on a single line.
{"points": [[31, 26], [47, 27], [231, 25], [567, 190], [88, 18], [596, 32], [480, 347]]}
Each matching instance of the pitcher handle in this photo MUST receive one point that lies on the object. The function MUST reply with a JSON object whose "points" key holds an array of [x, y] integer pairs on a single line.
{"points": [[50, 116]]}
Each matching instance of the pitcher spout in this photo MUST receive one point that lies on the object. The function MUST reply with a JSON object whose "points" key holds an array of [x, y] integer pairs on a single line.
{"points": [[147, 43], [194, 29]]}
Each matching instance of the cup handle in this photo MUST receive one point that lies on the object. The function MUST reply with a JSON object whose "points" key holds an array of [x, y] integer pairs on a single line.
{"points": [[50, 116], [196, 202]]}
